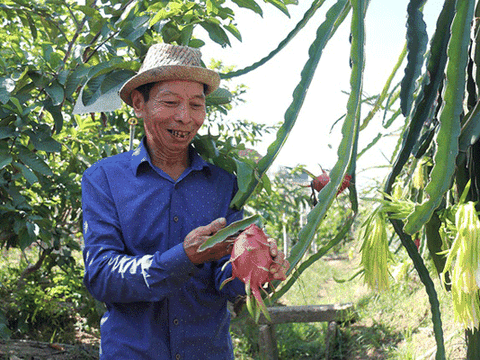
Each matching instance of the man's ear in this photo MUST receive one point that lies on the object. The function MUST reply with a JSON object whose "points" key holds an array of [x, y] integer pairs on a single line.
{"points": [[138, 103]]}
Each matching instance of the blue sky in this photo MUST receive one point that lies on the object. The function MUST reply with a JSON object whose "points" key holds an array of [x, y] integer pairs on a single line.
{"points": [[271, 87]]}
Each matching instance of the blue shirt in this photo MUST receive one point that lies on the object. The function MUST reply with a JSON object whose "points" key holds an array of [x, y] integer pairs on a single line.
{"points": [[135, 218]]}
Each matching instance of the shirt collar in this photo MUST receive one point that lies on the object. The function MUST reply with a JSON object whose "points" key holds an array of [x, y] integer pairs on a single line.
{"points": [[140, 156]]}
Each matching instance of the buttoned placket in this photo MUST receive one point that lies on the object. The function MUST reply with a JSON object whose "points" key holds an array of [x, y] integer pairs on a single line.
{"points": [[176, 329]]}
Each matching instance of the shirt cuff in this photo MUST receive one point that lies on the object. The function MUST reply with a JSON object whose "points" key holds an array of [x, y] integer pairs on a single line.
{"points": [[177, 262]]}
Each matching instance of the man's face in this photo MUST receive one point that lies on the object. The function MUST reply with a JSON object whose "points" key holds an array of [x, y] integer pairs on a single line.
{"points": [[173, 114]]}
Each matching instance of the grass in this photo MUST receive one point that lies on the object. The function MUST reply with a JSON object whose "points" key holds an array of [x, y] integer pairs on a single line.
{"points": [[395, 324]]}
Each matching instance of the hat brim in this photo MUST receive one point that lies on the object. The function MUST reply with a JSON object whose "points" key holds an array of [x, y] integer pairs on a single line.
{"points": [[168, 73]]}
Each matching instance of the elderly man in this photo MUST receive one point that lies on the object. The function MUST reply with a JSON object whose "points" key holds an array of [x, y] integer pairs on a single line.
{"points": [[145, 214]]}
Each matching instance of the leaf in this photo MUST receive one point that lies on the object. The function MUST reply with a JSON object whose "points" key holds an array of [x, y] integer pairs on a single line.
{"points": [[26, 236], [56, 112], [74, 80], [249, 4], [87, 10], [279, 5], [44, 142], [300, 25], [232, 29], [27, 173], [6, 85], [91, 91], [417, 40], [115, 79], [230, 230], [431, 84], [220, 96], [347, 148], [33, 161], [449, 131], [5, 159], [56, 93], [6, 132], [215, 32]]}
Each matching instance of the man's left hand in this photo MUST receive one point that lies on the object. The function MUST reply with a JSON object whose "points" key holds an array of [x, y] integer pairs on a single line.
{"points": [[280, 265]]}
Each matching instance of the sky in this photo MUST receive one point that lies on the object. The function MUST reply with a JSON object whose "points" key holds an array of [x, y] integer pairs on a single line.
{"points": [[270, 88]]}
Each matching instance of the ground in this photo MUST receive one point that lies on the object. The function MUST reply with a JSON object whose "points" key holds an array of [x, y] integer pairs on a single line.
{"points": [[35, 350]]}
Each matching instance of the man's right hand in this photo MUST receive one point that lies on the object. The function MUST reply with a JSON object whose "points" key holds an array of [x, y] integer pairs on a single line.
{"points": [[198, 236]]}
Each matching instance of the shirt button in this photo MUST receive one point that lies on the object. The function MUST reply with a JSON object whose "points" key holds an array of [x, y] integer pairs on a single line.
{"points": [[175, 218], [177, 356], [176, 322]]}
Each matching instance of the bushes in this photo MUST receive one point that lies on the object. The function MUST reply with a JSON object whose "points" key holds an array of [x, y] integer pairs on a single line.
{"points": [[46, 305]]}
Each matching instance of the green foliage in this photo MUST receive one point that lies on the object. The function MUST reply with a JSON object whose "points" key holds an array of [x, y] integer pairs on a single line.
{"points": [[46, 305], [55, 51]]}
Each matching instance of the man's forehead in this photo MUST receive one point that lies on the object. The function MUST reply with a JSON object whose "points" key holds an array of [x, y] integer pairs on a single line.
{"points": [[181, 87]]}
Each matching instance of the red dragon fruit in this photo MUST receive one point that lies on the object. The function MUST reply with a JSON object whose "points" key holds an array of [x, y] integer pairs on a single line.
{"points": [[251, 261], [321, 181]]}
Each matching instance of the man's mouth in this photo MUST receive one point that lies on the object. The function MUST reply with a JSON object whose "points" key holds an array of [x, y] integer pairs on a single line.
{"points": [[179, 134]]}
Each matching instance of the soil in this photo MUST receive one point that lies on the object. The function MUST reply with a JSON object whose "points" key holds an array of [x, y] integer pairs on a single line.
{"points": [[36, 350]]}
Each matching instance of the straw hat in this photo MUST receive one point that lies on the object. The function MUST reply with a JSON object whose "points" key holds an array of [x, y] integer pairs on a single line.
{"points": [[169, 62]]}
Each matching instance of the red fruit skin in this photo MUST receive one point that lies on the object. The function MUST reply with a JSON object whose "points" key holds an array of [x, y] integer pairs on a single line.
{"points": [[321, 181], [417, 242], [251, 259]]}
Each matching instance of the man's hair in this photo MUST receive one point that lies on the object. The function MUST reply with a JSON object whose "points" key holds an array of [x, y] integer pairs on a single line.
{"points": [[145, 90]]}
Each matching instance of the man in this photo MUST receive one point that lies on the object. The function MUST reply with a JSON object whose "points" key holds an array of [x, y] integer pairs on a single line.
{"points": [[146, 213]]}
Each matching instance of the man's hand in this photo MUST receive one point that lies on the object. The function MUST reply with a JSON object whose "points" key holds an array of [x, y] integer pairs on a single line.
{"points": [[198, 236], [280, 265]]}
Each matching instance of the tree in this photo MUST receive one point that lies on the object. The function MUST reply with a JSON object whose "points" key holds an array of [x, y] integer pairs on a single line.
{"points": [[58, 54]]}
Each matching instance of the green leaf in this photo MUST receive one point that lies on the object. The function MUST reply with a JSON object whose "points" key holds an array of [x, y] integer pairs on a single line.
{"points": [[56, 112], [348, 146], [186, 35], [215, 32], [5, 84], [279, 5], [417, 40], [44, 142], [87, 10], [232, 29], [56, 93], [249, 4], [300, 25], [220, 96], [91, 91], [33, 161], [74, 80], [230, 230], [429, 92], [27, 173], [26, 236], [115, 79], [6, 132], [449, 131], [5, 159]]}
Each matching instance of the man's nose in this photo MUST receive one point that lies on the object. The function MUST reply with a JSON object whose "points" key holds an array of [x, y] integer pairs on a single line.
{"points": [[183, 113]]}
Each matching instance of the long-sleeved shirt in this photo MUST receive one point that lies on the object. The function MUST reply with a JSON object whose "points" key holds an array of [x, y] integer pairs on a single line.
{"points": [[135, 217]]}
